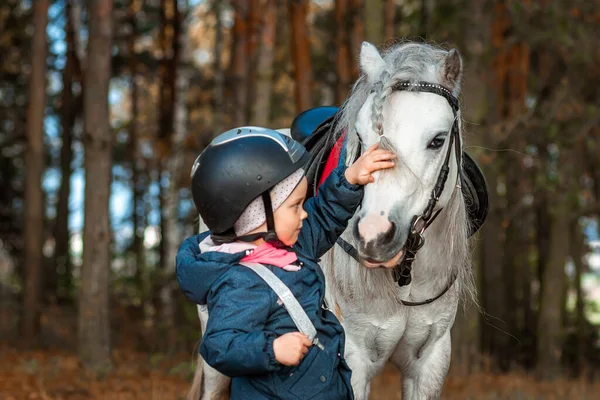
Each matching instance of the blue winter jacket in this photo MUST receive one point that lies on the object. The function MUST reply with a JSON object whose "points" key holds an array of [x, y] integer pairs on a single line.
{"points": [[245, 315]]}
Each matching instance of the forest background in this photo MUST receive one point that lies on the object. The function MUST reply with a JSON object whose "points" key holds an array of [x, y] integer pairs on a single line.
{"points": [[104, 104]]}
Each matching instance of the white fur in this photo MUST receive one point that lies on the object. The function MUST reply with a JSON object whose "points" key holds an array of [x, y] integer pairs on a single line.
{"points": [[368, 301]]}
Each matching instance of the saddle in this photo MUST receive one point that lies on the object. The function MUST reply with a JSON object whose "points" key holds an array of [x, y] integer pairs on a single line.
{"points": [[315, 129]]}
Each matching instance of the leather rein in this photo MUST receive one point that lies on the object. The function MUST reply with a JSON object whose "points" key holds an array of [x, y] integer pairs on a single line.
{"points": [[416, 240]]}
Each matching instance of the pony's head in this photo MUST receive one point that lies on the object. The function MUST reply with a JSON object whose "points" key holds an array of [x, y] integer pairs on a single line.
{"points": [[416, 126]]}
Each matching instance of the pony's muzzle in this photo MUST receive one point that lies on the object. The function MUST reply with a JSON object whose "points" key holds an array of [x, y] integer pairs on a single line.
{"points": [[374, 227], [377, 238], [391, 263]]}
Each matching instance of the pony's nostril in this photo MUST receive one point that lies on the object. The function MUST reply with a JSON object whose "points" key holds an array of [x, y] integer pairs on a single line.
{"points": [[388, 237]]}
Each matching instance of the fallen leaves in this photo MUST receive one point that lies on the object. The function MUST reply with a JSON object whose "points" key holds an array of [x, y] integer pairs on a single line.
{"points": [[55, 375], [58, 375]]}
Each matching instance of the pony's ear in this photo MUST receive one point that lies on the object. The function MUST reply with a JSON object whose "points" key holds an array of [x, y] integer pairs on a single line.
{"points": [[451, 71], [371, 63]]}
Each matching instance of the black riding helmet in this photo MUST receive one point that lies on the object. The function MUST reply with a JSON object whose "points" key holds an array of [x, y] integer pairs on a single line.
{"points": [[236, 167]]}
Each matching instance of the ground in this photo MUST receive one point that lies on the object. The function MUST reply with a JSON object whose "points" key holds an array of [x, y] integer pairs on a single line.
{"points": [[57, 375]]}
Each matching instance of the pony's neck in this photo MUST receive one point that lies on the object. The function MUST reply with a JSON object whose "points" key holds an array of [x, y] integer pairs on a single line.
{"points": [[434, 265], [445, 252]]}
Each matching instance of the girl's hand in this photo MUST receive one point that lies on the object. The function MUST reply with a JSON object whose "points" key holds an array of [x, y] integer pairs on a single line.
{"points": [[370, 161], [290, 348]]}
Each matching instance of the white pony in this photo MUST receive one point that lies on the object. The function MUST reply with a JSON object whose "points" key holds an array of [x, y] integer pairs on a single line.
{"points": [[375, 311]]}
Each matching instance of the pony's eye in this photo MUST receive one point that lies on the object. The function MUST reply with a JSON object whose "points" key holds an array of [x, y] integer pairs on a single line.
{"points": [[437, 142]]}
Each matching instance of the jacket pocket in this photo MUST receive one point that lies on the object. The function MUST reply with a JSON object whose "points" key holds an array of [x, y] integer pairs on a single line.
{"points": [[312, 376]]}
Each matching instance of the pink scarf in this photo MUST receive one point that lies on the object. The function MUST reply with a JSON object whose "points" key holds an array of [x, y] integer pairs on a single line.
{"points": [[264, 254]]}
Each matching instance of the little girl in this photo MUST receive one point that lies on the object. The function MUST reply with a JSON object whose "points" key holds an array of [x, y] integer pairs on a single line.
{"points": [[249, 188]]}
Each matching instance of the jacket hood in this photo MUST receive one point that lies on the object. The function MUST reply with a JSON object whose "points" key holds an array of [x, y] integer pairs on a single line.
{"points": [[197, 271]]}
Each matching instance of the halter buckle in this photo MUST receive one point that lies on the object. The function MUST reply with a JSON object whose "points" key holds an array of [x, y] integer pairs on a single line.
{"points": [[419, 225]]}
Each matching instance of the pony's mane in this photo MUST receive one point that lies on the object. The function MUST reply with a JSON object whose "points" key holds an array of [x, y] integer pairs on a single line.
{"points": [[412, 62]]}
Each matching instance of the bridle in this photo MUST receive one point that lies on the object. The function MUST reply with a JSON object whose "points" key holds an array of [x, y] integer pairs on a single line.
{"points": [[419, 223]]}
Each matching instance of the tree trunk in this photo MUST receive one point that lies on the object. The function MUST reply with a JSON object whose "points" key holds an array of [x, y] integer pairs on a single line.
{"points": [[342, 55], [261, 106], [169, 45], [528, 328], [549, 328], [526, 278], [76, 18], [94, 323], [543, 231], [373, 27], [301, 55], [254, 27], [136, 245], [514, 261], [62, 260], [169, 40], [519, 303], [427, 7], [494, 339], [219, 78], [577, 251], [542, 244], [357, 35], [389, 18], [238, 63], [172, 237], [512, 255], [34, 162], [593, 166], [493, 293]]}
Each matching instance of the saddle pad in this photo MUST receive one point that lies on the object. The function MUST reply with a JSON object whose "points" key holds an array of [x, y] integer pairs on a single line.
{"points": [[333, 160]]}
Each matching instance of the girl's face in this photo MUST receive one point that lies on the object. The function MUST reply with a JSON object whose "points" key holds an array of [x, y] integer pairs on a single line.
{"points": [[288, 217]]}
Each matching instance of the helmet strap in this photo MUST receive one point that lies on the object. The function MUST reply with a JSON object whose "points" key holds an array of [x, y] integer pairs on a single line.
{"points": [[271, 235], [230, 237]]}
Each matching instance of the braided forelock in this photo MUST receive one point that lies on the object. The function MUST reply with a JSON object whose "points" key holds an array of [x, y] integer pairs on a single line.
{"points": [[382, 90]]}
